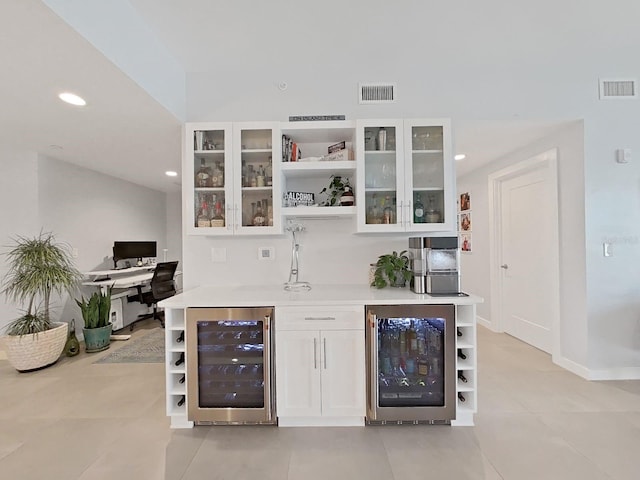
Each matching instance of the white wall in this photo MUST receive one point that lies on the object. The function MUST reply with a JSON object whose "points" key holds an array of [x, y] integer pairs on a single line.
{"points": [[83, 208], [19, 207], [574, 326]]}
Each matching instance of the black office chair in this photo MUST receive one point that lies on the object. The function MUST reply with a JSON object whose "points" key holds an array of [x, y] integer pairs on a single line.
{"points": [[162, 286]]}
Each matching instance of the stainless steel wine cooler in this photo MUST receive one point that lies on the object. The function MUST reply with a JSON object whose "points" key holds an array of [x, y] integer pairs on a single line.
{"points": [[229, 372], [411, 363]]}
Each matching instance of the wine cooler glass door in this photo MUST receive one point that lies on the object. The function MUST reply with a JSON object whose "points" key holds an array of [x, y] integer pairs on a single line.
{"points": [[412, 365], [230, 365]]}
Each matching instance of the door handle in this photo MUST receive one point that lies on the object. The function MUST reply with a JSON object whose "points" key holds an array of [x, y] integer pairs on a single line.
{"points": [[324, 348], [315, 354], [504, 266]]}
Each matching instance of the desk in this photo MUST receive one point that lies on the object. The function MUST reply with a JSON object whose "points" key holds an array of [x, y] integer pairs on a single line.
{"points": [[122, 281]]}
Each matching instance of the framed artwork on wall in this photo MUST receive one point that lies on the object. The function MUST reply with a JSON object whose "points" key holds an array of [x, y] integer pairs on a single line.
{"points": [[465, 242], [465, 201]]}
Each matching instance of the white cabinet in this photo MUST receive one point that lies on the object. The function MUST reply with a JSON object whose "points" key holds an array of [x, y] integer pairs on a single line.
{"points": [[320, 365], [206, 178], [313, 139], [231, 182], [406, 176]]}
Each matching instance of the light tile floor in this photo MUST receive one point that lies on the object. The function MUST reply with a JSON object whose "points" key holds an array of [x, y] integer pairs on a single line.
{"points": [[77, 420]]}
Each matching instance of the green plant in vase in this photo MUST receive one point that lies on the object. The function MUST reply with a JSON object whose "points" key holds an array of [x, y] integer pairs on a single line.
{"points": [[97, 327], [37, 267], [335, 190], [392, 269]]}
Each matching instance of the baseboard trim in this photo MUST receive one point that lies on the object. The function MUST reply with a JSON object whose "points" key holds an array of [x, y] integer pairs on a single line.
{"points": [[485, 323], [572, 366], [616, 373], [621, 373]]}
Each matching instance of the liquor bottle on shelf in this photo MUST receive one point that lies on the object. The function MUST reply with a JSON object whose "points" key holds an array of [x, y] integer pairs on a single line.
{"points": [[253, 181], [260, 177], [387, 212], [258, 217], [432, 215], [180, 360], [462, 377], [218, 219], [269, 173], [218, 175], [203, 219], [181, 401], [203, 175], [461, 354], [269, 213], [347, 199], [461, 397], [403, 342], [418, 210], [180, 338], [413, 340]]}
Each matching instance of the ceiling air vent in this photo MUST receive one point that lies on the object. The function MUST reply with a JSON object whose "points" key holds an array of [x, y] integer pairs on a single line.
{"points": [[377, 93], [619, 88]]}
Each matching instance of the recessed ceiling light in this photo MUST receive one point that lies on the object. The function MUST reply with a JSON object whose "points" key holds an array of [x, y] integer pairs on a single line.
{"points": [[460, 156], [171, 173], [72, 98]]}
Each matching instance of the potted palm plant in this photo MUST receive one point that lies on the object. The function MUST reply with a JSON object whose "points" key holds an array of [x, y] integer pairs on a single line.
{"points": [[97, 327], [392, 269], [37, 267]]}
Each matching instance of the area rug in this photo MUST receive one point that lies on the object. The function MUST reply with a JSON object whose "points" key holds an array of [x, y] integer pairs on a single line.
{"points": [[146, 349]]}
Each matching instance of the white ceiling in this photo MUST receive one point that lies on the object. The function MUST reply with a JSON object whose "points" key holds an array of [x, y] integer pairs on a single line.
{"points": [[123, 131]]}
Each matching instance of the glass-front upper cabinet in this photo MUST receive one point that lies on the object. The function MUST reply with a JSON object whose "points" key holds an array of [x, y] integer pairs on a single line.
{"points": [[380, 181], [207, 173], [429, 176], [257, 187], [405, 181]]}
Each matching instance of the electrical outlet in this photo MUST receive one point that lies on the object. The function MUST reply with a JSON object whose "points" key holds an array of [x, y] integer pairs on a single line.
{"points": [[266, 253], [74, 252]]}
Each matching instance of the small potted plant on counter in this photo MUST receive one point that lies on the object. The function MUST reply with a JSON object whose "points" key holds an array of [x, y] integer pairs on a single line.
{"points": [[37, 267], [392, 269], [97, 327]]}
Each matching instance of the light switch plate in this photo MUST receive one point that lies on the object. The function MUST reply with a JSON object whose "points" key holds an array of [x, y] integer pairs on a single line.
{"points": [[266, 253]]}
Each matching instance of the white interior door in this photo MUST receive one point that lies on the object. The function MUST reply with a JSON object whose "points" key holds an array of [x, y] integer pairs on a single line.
{"points": [[528, 265]]}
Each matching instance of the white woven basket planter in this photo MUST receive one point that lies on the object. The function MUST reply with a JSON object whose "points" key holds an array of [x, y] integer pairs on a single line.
{"points": [[33, 351]]}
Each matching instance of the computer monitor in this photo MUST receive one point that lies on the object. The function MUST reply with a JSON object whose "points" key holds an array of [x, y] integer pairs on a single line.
{"points": [[138, 250]]}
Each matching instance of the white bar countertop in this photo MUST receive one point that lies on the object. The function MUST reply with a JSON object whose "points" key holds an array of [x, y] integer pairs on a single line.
{"points": [[275, 295]]}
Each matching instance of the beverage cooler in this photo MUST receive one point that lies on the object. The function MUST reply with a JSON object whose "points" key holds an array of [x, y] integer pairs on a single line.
{"points": [[228, 361], [411, 364]]}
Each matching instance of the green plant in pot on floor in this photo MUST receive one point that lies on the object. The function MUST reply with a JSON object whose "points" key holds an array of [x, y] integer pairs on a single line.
{"points": [[392, 269], [97, 327], [37, 267]]}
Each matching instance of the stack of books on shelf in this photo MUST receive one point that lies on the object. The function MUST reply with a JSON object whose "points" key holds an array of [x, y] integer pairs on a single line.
{"points": [[336, 153]]}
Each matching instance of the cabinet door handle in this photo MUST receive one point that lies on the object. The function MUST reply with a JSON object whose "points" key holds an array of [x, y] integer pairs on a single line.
{"points": [[319, 318], [315, 354], [409, 214], [235, 215], [324, 348]]}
